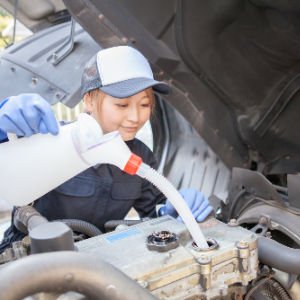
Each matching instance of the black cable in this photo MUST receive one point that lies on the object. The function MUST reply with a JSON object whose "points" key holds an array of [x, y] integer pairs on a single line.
{"points": [[235, 202], [281, 188], [267, 202], [81, 226], [255, 288], [111, 225]]}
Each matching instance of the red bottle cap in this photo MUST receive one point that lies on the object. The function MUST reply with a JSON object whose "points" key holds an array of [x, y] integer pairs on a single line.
{"points": [[133, 164]]}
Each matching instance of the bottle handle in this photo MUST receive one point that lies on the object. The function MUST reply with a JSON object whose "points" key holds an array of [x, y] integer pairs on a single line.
{"points": [[13, 137]]}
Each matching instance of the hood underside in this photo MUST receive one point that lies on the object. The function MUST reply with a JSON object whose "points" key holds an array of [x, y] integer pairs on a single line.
{"points": [[234, 67]]}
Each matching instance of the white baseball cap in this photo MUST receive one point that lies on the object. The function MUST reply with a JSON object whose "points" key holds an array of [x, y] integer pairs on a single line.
{"points": [[120, 72]]}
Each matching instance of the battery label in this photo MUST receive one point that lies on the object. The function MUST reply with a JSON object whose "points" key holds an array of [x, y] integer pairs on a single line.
{"points": [[123, 235]]}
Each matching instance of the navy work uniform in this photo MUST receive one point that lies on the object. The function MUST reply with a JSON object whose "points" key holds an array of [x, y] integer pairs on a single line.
{"points": [[97, 195]]}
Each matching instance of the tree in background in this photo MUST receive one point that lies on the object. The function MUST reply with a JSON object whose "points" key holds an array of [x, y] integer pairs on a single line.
{"points": [[4, 13], [5, 18]]}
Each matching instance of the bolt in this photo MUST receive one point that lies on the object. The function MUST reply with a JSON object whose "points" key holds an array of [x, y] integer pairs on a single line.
{"points": [[217, 130], [12, 69], [124, 40], [233, 222], [34, 80], [268, 235], [57, 95], [238, 295], [69, 277], [243, 243], [204, 257], [263, 221], [142, 283], [101, 17], [186, 94], [26, 242], [55, 56], [161, 73]]}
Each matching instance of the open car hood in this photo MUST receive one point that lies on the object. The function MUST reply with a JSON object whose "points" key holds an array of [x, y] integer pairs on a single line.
{"points": [[234, 67]]}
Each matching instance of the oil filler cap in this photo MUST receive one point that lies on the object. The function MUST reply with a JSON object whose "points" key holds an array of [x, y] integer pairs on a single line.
{"points": [[162, 241]]}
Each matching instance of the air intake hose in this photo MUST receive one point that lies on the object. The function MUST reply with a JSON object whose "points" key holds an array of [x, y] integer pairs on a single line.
{"points": [[278, 256], [68, 271], [44, 236]]}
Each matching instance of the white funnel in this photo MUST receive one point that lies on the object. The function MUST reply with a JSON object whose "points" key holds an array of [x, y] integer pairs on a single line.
{"points": [[31, 167]]}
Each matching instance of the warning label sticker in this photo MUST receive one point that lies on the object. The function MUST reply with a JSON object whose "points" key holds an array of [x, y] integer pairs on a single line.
{"points": [[208, 223], [123, 235]]}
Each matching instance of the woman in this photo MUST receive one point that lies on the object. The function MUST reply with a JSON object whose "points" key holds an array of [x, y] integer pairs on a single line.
{"points": [[117, 87]]}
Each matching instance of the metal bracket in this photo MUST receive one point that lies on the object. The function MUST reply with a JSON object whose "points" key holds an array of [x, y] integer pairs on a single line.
{"points": [[265, 223], [66, 47]]}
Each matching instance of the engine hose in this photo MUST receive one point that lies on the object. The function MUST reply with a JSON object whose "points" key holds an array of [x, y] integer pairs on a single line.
{"points": [[255, 288], [235, 202], [278, 256], [81, 226], [68, 271], [276, 290], [111, 225]]}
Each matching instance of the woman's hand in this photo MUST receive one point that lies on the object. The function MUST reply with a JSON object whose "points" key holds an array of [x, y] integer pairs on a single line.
{"points": [[196, 201], [26, 115]]}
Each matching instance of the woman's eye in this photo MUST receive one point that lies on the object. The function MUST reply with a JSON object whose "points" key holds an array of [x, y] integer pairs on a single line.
{"points": [[122, 105], [145, 105]]}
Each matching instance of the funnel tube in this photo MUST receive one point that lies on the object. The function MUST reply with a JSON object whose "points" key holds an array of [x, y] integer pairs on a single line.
{"points": [[166, 187]]}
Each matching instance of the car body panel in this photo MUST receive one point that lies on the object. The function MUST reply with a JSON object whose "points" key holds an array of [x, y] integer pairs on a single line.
{"points": [[233, 66]]}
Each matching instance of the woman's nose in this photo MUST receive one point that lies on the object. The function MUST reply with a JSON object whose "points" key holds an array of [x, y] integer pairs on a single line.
{"points": [[133, 114]]}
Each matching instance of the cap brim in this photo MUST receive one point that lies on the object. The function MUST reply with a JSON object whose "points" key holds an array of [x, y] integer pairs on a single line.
{"points": [[130, 87]]}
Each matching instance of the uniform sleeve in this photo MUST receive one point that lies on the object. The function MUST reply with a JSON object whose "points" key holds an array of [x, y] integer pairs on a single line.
{"points": [[3, 135], [151, 196]]}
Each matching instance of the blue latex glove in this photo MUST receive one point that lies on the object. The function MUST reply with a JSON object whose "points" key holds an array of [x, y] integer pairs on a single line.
{"points": [[196, 201], [26, 115]]}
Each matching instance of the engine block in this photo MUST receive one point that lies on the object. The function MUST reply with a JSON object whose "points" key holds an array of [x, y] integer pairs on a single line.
{"points": [[184, 271]]}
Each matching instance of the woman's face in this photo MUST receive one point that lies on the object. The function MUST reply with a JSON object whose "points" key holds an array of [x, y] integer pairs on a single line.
{"points": [[126, 115]]}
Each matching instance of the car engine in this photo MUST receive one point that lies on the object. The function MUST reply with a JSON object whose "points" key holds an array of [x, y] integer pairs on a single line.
{"points": [[161, 256]]}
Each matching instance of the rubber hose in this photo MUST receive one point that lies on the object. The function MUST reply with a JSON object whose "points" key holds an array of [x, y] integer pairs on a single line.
{"points": [[279, 293], [235, 202], [81, 226], [27, 218], [111, 225], [255, 288], [278, 256], [68, 271]]}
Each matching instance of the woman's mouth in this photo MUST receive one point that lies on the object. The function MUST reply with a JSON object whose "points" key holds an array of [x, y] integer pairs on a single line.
{"points": [[129, 129]]}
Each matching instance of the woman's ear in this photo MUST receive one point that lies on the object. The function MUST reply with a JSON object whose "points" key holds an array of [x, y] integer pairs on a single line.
{"points": [[88, 102]]}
